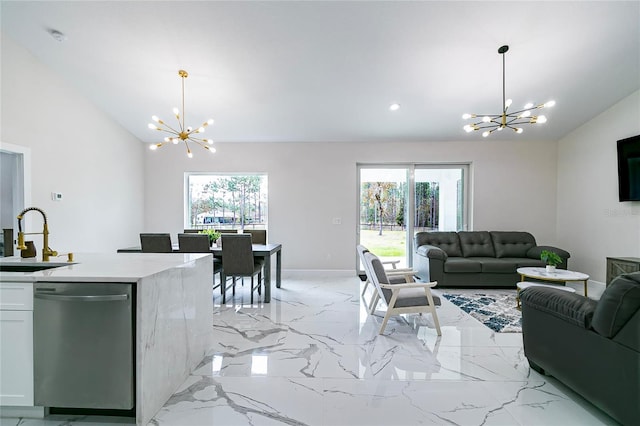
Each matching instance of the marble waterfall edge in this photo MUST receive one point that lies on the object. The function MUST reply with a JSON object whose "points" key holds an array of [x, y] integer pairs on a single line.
{"points": [[173, 331]]}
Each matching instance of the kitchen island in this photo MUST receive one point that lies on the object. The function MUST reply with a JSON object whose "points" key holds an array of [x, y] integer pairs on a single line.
{"points": [[172, 320]]}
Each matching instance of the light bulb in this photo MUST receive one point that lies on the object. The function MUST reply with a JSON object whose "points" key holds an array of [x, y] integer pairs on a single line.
{"points": [[508, 103], [525, 114], [175, 141], [468, 128], [394, 107], [518, 130], [189, 129], [167, 139], [155, 118], [485, 134], [176, 111], [541, 119], [486, 119], [200, 130], [466, 116], [189, 154], [528, 106], [153, 147], [549, 104], [212, 150], [500, 128], [152, 126], [210, 121], [210, 141]]}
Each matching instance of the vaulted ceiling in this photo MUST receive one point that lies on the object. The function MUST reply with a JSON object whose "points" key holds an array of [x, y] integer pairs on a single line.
{"points": [[328, 71]]}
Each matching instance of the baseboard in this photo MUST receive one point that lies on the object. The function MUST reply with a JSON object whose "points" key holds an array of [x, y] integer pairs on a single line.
{"points": [[26, 412]]}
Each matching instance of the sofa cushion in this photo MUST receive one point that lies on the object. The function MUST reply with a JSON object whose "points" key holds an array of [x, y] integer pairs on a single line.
{"points": [[499, 266], [619, 302], [512, 243], [447, 241], [526, 263], [476, 244], [462, 265]]}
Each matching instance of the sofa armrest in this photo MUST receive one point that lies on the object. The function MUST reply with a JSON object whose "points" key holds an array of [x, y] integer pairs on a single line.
{"points": [[534, 252], [432, 252], [570, 307]]}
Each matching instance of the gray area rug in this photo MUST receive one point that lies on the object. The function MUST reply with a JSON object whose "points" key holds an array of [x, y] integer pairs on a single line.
{"points": [[497, 310]]}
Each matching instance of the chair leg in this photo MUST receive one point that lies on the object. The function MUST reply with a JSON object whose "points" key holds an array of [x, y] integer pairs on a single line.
{"points": [[233, 292], [374, 303], [252, 289], [432, 309], [223, 287], [366, 284], [384, 321]]}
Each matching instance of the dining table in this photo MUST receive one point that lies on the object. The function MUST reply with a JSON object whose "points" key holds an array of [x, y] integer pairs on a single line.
{"points": [[264, 251]]}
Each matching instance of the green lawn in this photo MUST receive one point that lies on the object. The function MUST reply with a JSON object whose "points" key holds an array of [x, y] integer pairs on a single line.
{"points": [[389, 244]]}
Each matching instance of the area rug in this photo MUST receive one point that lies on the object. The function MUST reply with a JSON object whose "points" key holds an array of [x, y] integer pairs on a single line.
{"points": [[495, 310]]}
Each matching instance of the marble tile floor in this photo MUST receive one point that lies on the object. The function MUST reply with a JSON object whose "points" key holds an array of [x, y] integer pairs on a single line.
{"points": [[314, 357]]}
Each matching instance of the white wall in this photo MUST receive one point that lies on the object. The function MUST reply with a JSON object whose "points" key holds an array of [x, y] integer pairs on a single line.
{"points": [[514, 188], [592, 223], [76, 150]]}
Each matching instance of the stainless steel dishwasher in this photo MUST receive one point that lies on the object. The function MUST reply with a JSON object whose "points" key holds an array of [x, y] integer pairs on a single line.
{"points": [[83, 343]]}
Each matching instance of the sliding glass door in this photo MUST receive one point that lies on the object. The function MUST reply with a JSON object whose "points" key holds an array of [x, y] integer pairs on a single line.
{"points": [[398, 200]]}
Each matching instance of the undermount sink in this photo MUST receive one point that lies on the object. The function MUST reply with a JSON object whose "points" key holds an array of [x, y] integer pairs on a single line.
{"points": [[34, 267]]}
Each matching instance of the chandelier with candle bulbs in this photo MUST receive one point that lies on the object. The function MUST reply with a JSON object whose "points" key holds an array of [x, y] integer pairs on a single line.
{"points": [[490, 123], [182, 134]]}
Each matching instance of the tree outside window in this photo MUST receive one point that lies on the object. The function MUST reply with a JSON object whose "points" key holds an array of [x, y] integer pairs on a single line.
{"points": [[227, 201]]}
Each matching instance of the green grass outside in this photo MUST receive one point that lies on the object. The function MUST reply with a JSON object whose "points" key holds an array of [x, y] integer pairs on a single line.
{"points": [[389, 244]]}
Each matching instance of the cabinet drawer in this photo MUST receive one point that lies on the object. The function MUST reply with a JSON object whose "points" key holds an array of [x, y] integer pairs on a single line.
{"points": [[16, 296]]}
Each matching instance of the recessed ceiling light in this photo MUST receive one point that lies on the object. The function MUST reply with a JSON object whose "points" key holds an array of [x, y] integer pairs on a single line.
{"points": [[394, 107], [57, 35]]}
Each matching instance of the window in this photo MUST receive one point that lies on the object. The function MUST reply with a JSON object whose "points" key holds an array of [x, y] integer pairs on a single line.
{"points": [[226, 201], [396, 201]]}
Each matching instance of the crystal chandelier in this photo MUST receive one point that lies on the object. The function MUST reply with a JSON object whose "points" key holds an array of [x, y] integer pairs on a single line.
{"points": [[511, 120], [184, 134]]}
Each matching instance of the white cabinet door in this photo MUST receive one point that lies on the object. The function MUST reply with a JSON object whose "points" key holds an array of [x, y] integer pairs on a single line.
{"points": [[16, 358]]}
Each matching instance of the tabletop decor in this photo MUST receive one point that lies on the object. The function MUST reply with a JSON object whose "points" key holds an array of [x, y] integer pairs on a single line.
{"points": [[551, 259], [496, 310], [212, 233]]}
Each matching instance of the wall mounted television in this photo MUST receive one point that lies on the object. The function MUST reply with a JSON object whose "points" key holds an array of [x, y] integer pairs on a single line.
{"points": [[629, 169]]}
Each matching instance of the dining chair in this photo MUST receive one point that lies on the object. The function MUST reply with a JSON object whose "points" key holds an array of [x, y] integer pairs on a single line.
{"points": [[156, 243], [258, 236], [409, 297], [199, 243], [192, 231], [238, 262]]}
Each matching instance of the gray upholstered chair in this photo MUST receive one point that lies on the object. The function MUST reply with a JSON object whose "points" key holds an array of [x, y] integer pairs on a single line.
{"points": [[409, 297], [258, 236], [238, 262], [199, 243], [591, 346], [193, 243], [156, 243], [395, 275]]}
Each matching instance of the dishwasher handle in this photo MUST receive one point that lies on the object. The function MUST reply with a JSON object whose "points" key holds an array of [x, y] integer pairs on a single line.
{"points": [[71, 298]]}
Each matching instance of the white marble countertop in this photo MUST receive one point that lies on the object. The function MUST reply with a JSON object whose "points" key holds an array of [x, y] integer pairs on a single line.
{"points": [[102, 267]]}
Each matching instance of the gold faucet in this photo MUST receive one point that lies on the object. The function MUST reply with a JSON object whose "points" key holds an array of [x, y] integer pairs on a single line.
{"points": [[46, 251]]}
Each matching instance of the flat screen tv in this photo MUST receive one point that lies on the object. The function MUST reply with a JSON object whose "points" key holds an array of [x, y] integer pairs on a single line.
{"points": [[629, 169]]}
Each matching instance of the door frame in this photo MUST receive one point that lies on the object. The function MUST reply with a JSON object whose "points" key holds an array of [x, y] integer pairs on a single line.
{"points": [[410, 203]]}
